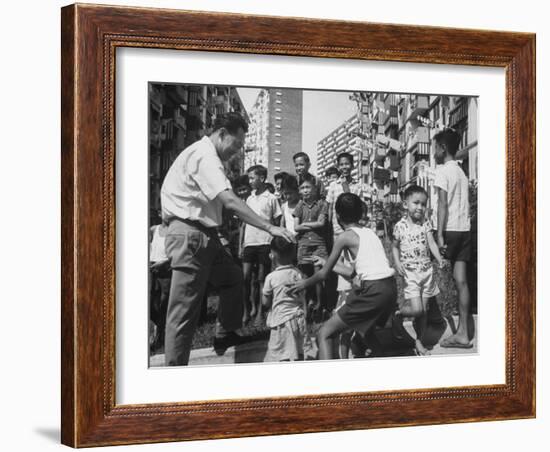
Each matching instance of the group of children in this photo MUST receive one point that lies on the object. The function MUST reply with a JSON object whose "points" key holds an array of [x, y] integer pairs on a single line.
{"points": [[291, 281], [367, 285]]}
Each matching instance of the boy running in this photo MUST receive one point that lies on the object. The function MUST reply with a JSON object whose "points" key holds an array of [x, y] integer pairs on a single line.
{"points": [[374, 299]]}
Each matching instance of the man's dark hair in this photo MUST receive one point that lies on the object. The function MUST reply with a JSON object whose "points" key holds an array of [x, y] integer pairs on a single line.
{"points": [[241, 181], [332, 170], [282, 246], [412, 190], [231, 122], [280, 176], [289, 183], [258, 170], [301, 155], [308, 178], [344, 155], [349, 208], [448, 139]]}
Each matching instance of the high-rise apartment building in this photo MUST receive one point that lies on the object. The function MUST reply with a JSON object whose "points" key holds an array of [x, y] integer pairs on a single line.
{"points": [[275, 130]]}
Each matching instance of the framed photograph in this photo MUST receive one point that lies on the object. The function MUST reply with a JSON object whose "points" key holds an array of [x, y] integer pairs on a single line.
{"points": [[281, 225]]}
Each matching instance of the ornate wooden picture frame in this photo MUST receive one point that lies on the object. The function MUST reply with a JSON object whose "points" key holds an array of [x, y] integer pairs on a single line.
{"points": [[90, 37]]}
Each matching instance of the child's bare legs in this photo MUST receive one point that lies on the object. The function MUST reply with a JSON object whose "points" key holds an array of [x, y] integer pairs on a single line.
{"points": [[345, 344], [327, 335], [247, 275], [318, 292], [461, 335], [262, 270], [416, 307]]}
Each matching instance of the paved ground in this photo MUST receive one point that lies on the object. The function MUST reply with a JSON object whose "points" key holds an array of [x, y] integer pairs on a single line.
{"points": [[256, 351]]}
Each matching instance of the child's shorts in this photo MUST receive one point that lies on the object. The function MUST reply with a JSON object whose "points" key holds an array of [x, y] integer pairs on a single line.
{"points": [[290, 341], [257, 254], [420, 283], [306, 251], [459, 246], [369, 305]]}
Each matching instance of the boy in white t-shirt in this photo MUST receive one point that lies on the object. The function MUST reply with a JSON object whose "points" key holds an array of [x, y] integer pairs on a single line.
{"points": [[256, 242], [291, 196], [453, 226]]}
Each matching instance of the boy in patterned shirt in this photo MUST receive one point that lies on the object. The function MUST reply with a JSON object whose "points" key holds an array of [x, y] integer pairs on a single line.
{"points": [[412, 243]]}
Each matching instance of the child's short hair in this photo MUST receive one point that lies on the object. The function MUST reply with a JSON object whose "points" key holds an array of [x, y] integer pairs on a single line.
{"points": [[280, 176], [349, 208], [241, 181], [259, 170], [289, 183], [270, 187], [282, 247], [309, 179], [332, 170], [412, 190], [344, 155], [449, 139], [301, 155]]}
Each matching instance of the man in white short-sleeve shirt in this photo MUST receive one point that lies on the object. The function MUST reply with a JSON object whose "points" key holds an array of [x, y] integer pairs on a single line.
{"points": [[192, 196]]}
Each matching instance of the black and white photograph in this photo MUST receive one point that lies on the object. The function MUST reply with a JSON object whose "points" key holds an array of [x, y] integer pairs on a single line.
{"points": [[292, 224]]}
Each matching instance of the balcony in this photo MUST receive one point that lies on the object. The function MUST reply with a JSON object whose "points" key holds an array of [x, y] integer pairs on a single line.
{"points": [[420, 135], [458, 113], [417, 106]]}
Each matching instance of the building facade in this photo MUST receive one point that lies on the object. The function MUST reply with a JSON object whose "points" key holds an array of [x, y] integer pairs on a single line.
{"points": [[275, 130], [345, 138], [179, 115], [397, 132]]}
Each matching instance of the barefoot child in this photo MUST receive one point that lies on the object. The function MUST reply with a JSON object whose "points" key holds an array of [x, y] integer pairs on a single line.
{"points": [[310, 220], [370, 302], [256, 241], [453, 226], [413, 239], [288, 339]]}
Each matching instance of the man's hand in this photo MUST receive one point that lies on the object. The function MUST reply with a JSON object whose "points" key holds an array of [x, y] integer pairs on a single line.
{"points": [[299, 286], [277, 231], [318, 261], [155, 266]]}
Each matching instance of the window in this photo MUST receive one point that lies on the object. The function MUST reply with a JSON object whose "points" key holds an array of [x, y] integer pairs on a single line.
{"points": [[277, 126], [277, 168], [277, 134], [277, 159], [278, 101], [278, 110], [277, 151], [277, 142], [278, 118], [279, 93]]}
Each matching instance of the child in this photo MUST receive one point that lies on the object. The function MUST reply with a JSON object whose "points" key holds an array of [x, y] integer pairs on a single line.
{"points": [[453, 226], [310, 219], [332, 174], [278, 178], [256, 242], [301, 166], [291, 195], [288, 339], [344, 184], [374, 299], [160, 277], [413, 240]]}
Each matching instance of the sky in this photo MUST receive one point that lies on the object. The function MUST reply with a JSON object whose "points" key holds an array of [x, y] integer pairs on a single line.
{"points": [[323, 111]]}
